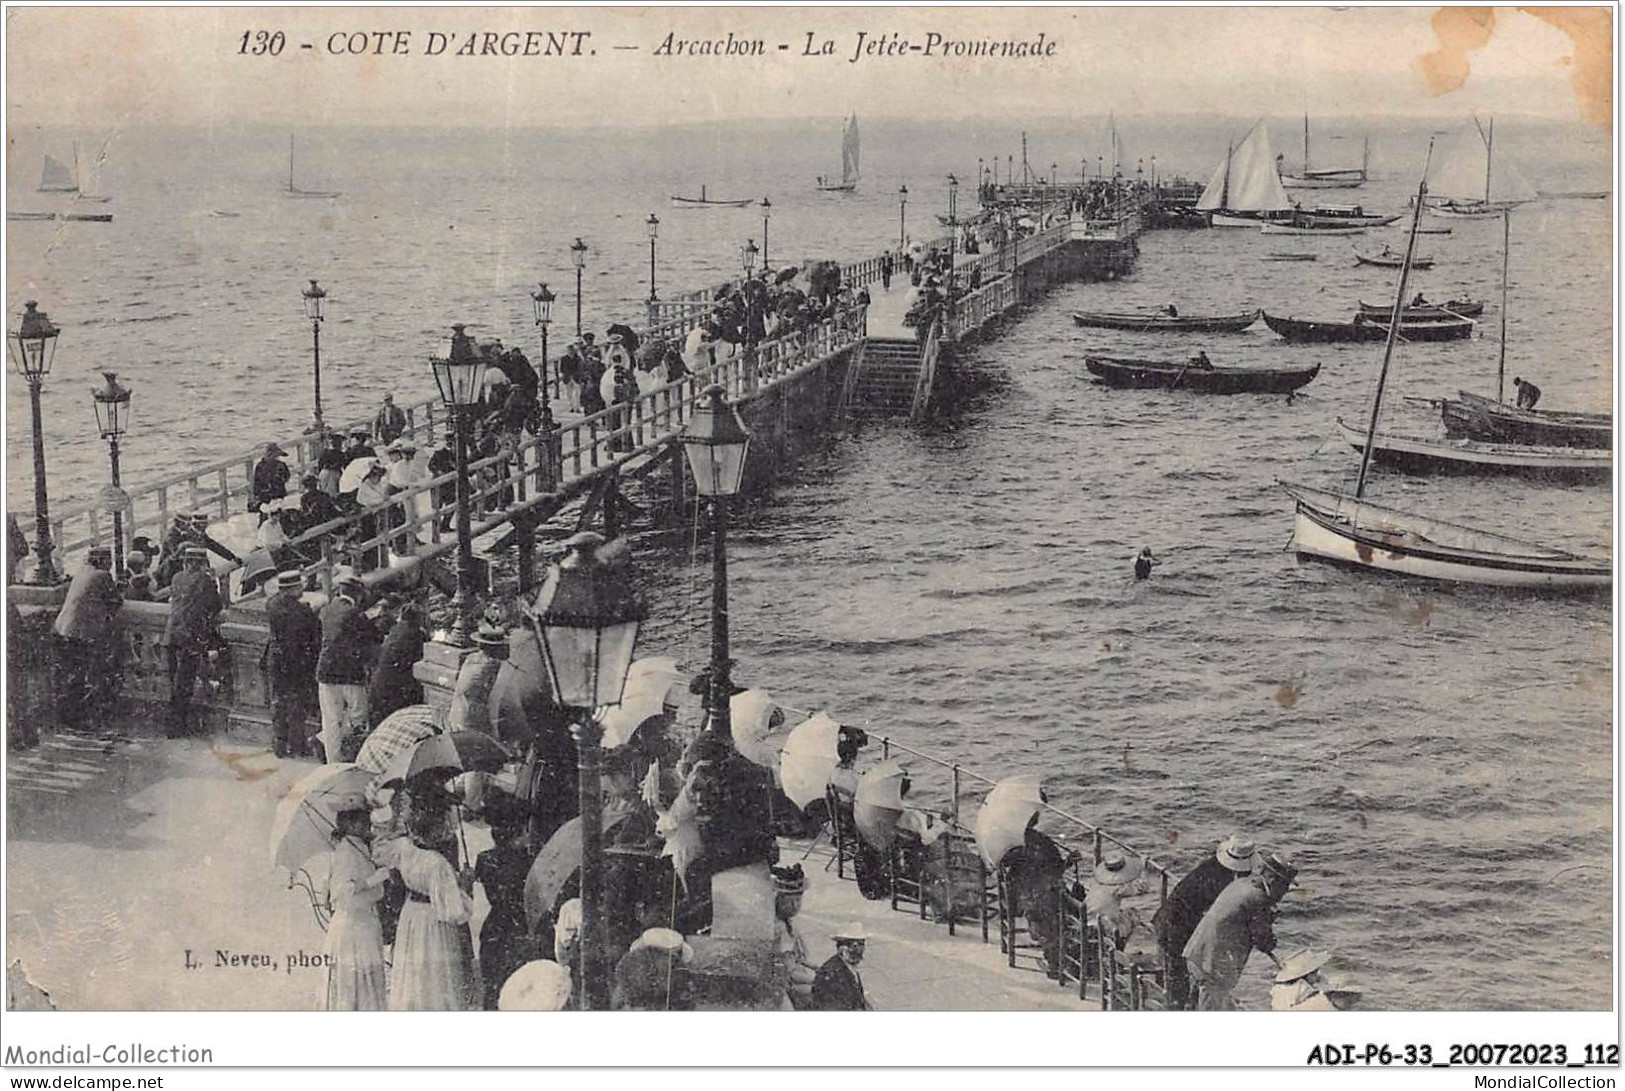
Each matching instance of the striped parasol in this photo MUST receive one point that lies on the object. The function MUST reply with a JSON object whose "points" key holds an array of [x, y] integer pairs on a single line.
{"points": [[400, 731]]}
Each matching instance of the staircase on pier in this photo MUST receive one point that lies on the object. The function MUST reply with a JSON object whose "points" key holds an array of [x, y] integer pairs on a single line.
{"points": [[885, 378]]}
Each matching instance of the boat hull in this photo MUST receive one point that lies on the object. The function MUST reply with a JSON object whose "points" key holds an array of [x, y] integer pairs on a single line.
{"points": [[1488, 210], [1392, 263], [850, 187], [695, 202], [1302, 331], [1299, 181], [1223, 218], [1455, 308], [1322, 531], [1419, 456], [1133, 374], [1162, 323], [1311, 229], [1481, 419]]}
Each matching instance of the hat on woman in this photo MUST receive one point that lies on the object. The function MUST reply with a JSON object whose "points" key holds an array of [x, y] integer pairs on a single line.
{"points": [[492, 641], [1237, 853], [851, 932], [789, 880], [289, 578], [194, 552], [666, 940], [1115, 869]]}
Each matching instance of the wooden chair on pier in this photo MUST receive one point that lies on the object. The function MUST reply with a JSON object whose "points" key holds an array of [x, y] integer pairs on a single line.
{"points": [[843, 832]]}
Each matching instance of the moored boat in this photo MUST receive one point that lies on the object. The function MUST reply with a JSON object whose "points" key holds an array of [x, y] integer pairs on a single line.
{"points": [[1158, 322], [703, 201], [1346, 530], [1320, 332], [1465, 456], [1454, 308], [849, 161], [1246, 188], [1471, 416], [1137, 374], [1301, 227], [1389, 260], [1324, 178], [1291, 257]]}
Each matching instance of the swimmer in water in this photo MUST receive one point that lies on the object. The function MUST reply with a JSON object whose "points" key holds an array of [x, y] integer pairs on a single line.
{"points": [[1144, 563]]}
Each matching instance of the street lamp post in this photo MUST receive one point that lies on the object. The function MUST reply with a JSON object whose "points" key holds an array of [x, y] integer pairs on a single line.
{"points": [[1053, 167], [461, 376], [33, 346], [1153, 172], [953, 233], [715, 442], [112, 403], [902, 217], [542, 304], [747, 258], [653, 224], [578, 256], [767, 212], [313, 311], [586, 618]]}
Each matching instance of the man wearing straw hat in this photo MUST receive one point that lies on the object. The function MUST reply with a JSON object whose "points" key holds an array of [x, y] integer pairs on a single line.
{"points": [[1241, 919], [1186, 904]]}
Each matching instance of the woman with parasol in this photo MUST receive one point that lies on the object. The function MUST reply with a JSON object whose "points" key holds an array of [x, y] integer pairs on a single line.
{"points": [[433, 967], [355, 941]]}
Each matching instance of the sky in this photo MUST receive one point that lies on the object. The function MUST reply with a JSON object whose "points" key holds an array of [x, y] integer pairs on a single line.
{"points": [[104, 68]]}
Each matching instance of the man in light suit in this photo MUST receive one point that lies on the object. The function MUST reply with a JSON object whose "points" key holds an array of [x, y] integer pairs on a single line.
{"points": [[86, 629]]}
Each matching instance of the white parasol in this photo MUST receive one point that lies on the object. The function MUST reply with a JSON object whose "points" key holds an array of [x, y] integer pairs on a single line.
{"points": [[755, 737], [809, 756], [542, 985], [621, 722], [356, 472], [308, 814], [1001, 824], [878, 803]]}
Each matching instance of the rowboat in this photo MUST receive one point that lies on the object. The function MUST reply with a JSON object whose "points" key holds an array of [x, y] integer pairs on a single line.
{"points": [[1165, 323], [1332, 526], [1350, 530], [1290, 257], [702, 201], [1391, 261], [1465, 456], [1308, 331], [1474, 417], [30, 215], [1455, 308], [1166, 375]]}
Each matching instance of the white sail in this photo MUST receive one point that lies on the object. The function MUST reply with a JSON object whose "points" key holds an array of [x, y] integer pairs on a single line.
{"points": [[58, 177], [849, 151], [1473, 169], [1246, 178]]}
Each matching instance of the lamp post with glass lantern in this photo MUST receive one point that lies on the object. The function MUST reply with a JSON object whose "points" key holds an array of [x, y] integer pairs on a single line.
{"points": [[715, 442], [112, 403], [902, 217], [460, 375], [33, 346], [541, 301], [653, 224], [953, 233], [586, 618], [747, 258], [313, 311], [767, 213], [578, 257]]}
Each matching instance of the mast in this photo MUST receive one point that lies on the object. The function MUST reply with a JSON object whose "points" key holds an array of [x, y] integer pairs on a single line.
{"points": [[1489, 157], [1506, 252], [1365, 160], [290, 162], [76, 166], [1306, 143], [1224, 195], [1394, 318]]}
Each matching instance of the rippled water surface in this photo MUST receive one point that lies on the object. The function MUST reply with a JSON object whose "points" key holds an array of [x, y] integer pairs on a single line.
{"points": [[1439, 760]]}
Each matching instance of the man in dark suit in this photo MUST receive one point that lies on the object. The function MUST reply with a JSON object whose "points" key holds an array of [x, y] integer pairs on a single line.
{"points": [[838, 986], [270, 477], [349, 640], [290, 663], [1188, 902], [194, 612]]}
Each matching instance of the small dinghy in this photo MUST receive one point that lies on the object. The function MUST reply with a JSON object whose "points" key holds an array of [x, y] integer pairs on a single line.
{"points": [[1387, 259], [1191, 375], [1160, 322], [1455, 308], [1308, 331], [1463, 456]]}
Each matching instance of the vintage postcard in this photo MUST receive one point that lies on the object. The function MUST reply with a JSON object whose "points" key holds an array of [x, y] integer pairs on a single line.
{"points": [[799, 509]]}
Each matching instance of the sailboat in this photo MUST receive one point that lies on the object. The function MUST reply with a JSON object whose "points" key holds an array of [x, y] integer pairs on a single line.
{"points": [[1350, 530], [293, 190], [1470, 184], [1329, 178], [58, 177], [849, 161], [1245, 188]]}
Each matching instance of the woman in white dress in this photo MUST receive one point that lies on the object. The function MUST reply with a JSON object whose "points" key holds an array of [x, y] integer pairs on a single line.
{"points": [[355, 943], [433, 966]]}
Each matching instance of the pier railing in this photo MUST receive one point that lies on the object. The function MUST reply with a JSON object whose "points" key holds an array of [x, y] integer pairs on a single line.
{"points": [[411, 522]]}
